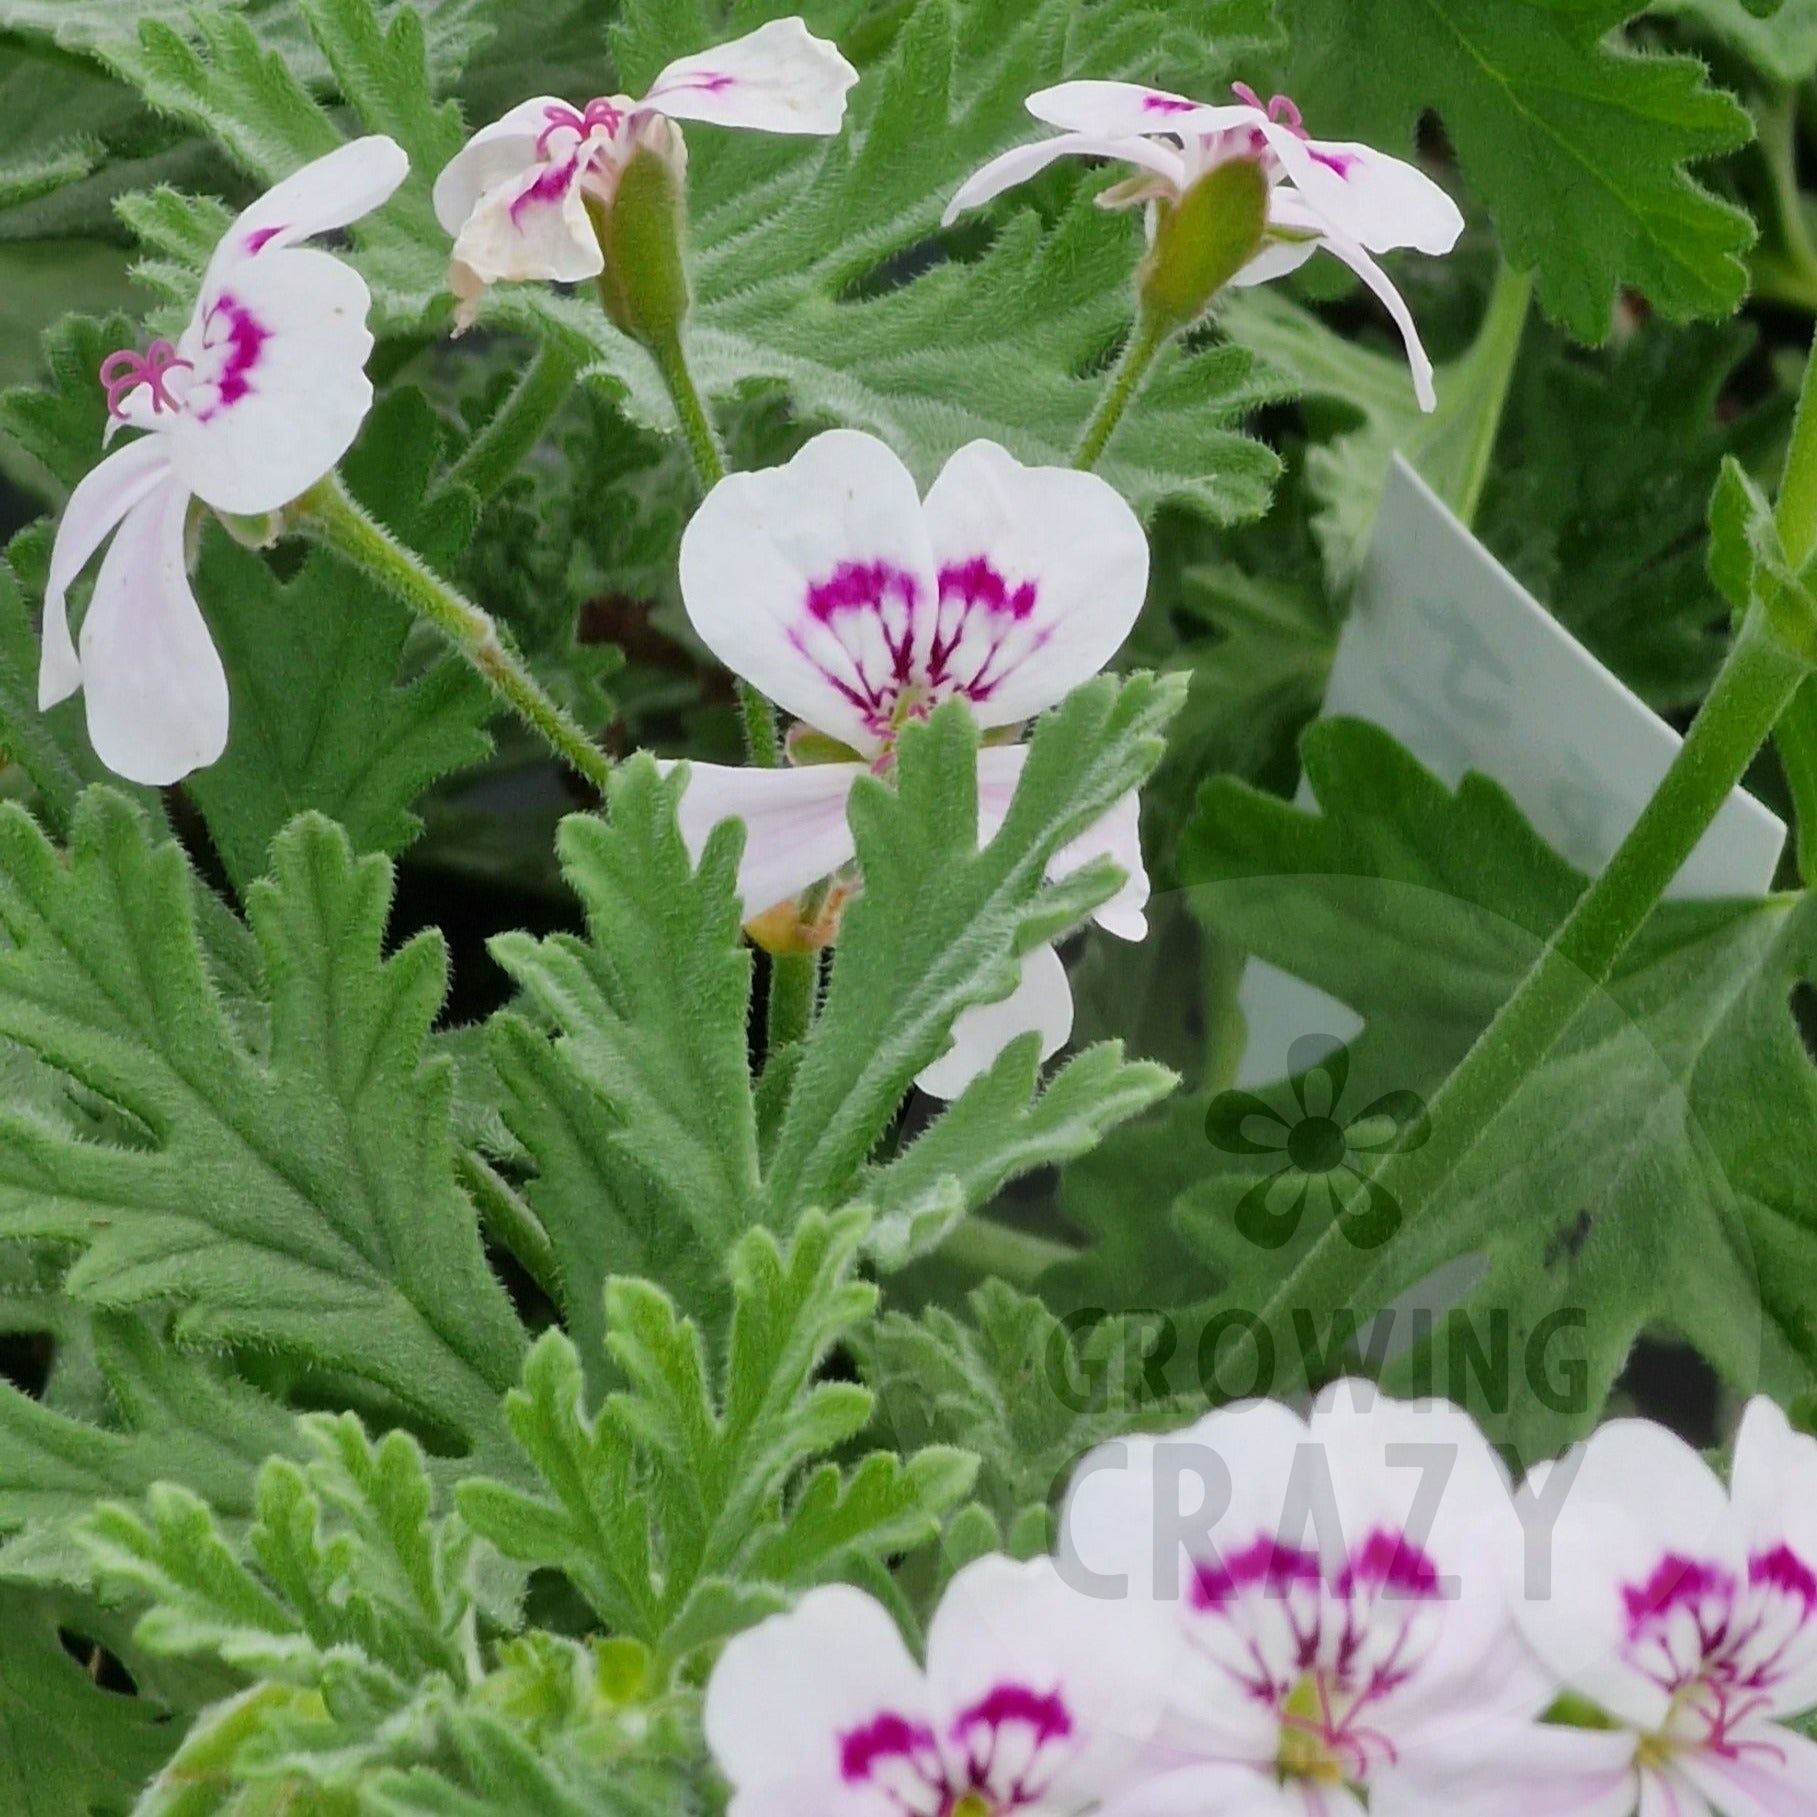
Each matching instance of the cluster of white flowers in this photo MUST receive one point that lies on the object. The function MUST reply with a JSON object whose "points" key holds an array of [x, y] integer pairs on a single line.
{"points": [[265, 390], [1275, 1616]]}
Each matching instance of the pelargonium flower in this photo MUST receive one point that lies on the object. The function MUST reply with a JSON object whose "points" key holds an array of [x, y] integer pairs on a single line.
{"points": [[257, 398], [515, 197], [832, 587], [1685, 1612], [1347, 198], [1035, 1699], [1337, 1584]]}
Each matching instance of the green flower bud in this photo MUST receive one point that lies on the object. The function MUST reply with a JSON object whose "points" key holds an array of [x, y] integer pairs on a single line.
{"points": [[1201, 241], [642, 234]]}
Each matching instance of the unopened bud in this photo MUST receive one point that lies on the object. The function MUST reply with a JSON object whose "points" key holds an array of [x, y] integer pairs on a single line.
{"points": [[642, 234], [1202, 240]]}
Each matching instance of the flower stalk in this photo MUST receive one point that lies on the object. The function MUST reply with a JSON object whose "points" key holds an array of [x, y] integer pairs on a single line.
{"points": [[1757, 682], [330, 516]]}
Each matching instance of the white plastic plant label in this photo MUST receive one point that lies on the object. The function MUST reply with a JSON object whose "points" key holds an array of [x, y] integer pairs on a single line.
{"points": [[1446, 650]]}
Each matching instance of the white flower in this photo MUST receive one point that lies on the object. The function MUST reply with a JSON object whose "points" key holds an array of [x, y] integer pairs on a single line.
{"points": [[1685, 1612], [1338, 1585], [515, 197], [1347, 198], [834, 589], [259, 397], [1036, 1700]]}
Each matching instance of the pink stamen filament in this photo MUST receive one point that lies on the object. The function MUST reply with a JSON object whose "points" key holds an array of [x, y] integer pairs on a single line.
{"points": [[126, 369], [1281, 109], [599, 113]]}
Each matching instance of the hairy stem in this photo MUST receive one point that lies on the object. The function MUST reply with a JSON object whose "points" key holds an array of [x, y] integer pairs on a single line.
{"points": [[499, 449], [328, 514], [1796, 517], [762, 730], [1756, 682], [1145, 342]]}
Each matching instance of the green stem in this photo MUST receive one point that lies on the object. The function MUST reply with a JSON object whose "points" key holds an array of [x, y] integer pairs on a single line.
{"points": [[762, 729], [1752, 690], [794, 997], [1146, 341], [1796, 517], [1493, 358], [696, 426], [499, 449], [332, 517], [984, 1247], [509, 1222]]}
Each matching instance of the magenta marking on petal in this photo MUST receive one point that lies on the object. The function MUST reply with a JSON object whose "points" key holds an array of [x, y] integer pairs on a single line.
{"points": [[706, 82], [257, 242], [1676, 1583], [1339, 162], [1783, 1570], [246, 338], [1389, 1561], [861, 587], [1044, 1713], [1168, 104], [1264, 1564], [550, 187], [886, 1738], [126, 369]]}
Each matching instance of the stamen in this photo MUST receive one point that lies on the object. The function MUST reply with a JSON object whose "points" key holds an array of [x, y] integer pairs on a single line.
{"points": [[598, 113], [126, 369], [1281, 108]]}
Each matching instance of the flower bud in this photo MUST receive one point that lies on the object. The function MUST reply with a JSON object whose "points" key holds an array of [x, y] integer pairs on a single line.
{"points": [[642, 233], [1202, 240]]}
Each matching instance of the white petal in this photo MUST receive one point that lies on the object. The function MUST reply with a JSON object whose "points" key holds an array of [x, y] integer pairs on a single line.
{"points": [[1382, 203], [785, 1695], [331, 192], [1119, 109], [494, 155], [765, 567], [1773, 1488], [796, 831], [1378, 281], [532, 224], [1495, 1769], [779, 78], [279, 389], [1026, 161], [99, 502], [1043, 571], [157, 694], [1116, 835], [1669, 1794], [1621, 1512], [1041, 1001], [1776, 1778], [1277, 259], [1016, 1640]]}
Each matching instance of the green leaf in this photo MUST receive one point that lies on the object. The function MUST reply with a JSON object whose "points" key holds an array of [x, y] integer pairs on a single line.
{"points": [[1646, 1177], [679, 1509], [321, 721], [640, 1114], [175, 1419], [1782, 45], [1605, 532], [298, 1198], [940, 923], [1577, 144], [1023, 1389], [66, 1745], [1000, 1127]]}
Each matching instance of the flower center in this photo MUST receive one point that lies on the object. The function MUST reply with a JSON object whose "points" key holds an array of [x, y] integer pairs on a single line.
{"points": [[126, 369], [1308, 1747]]}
